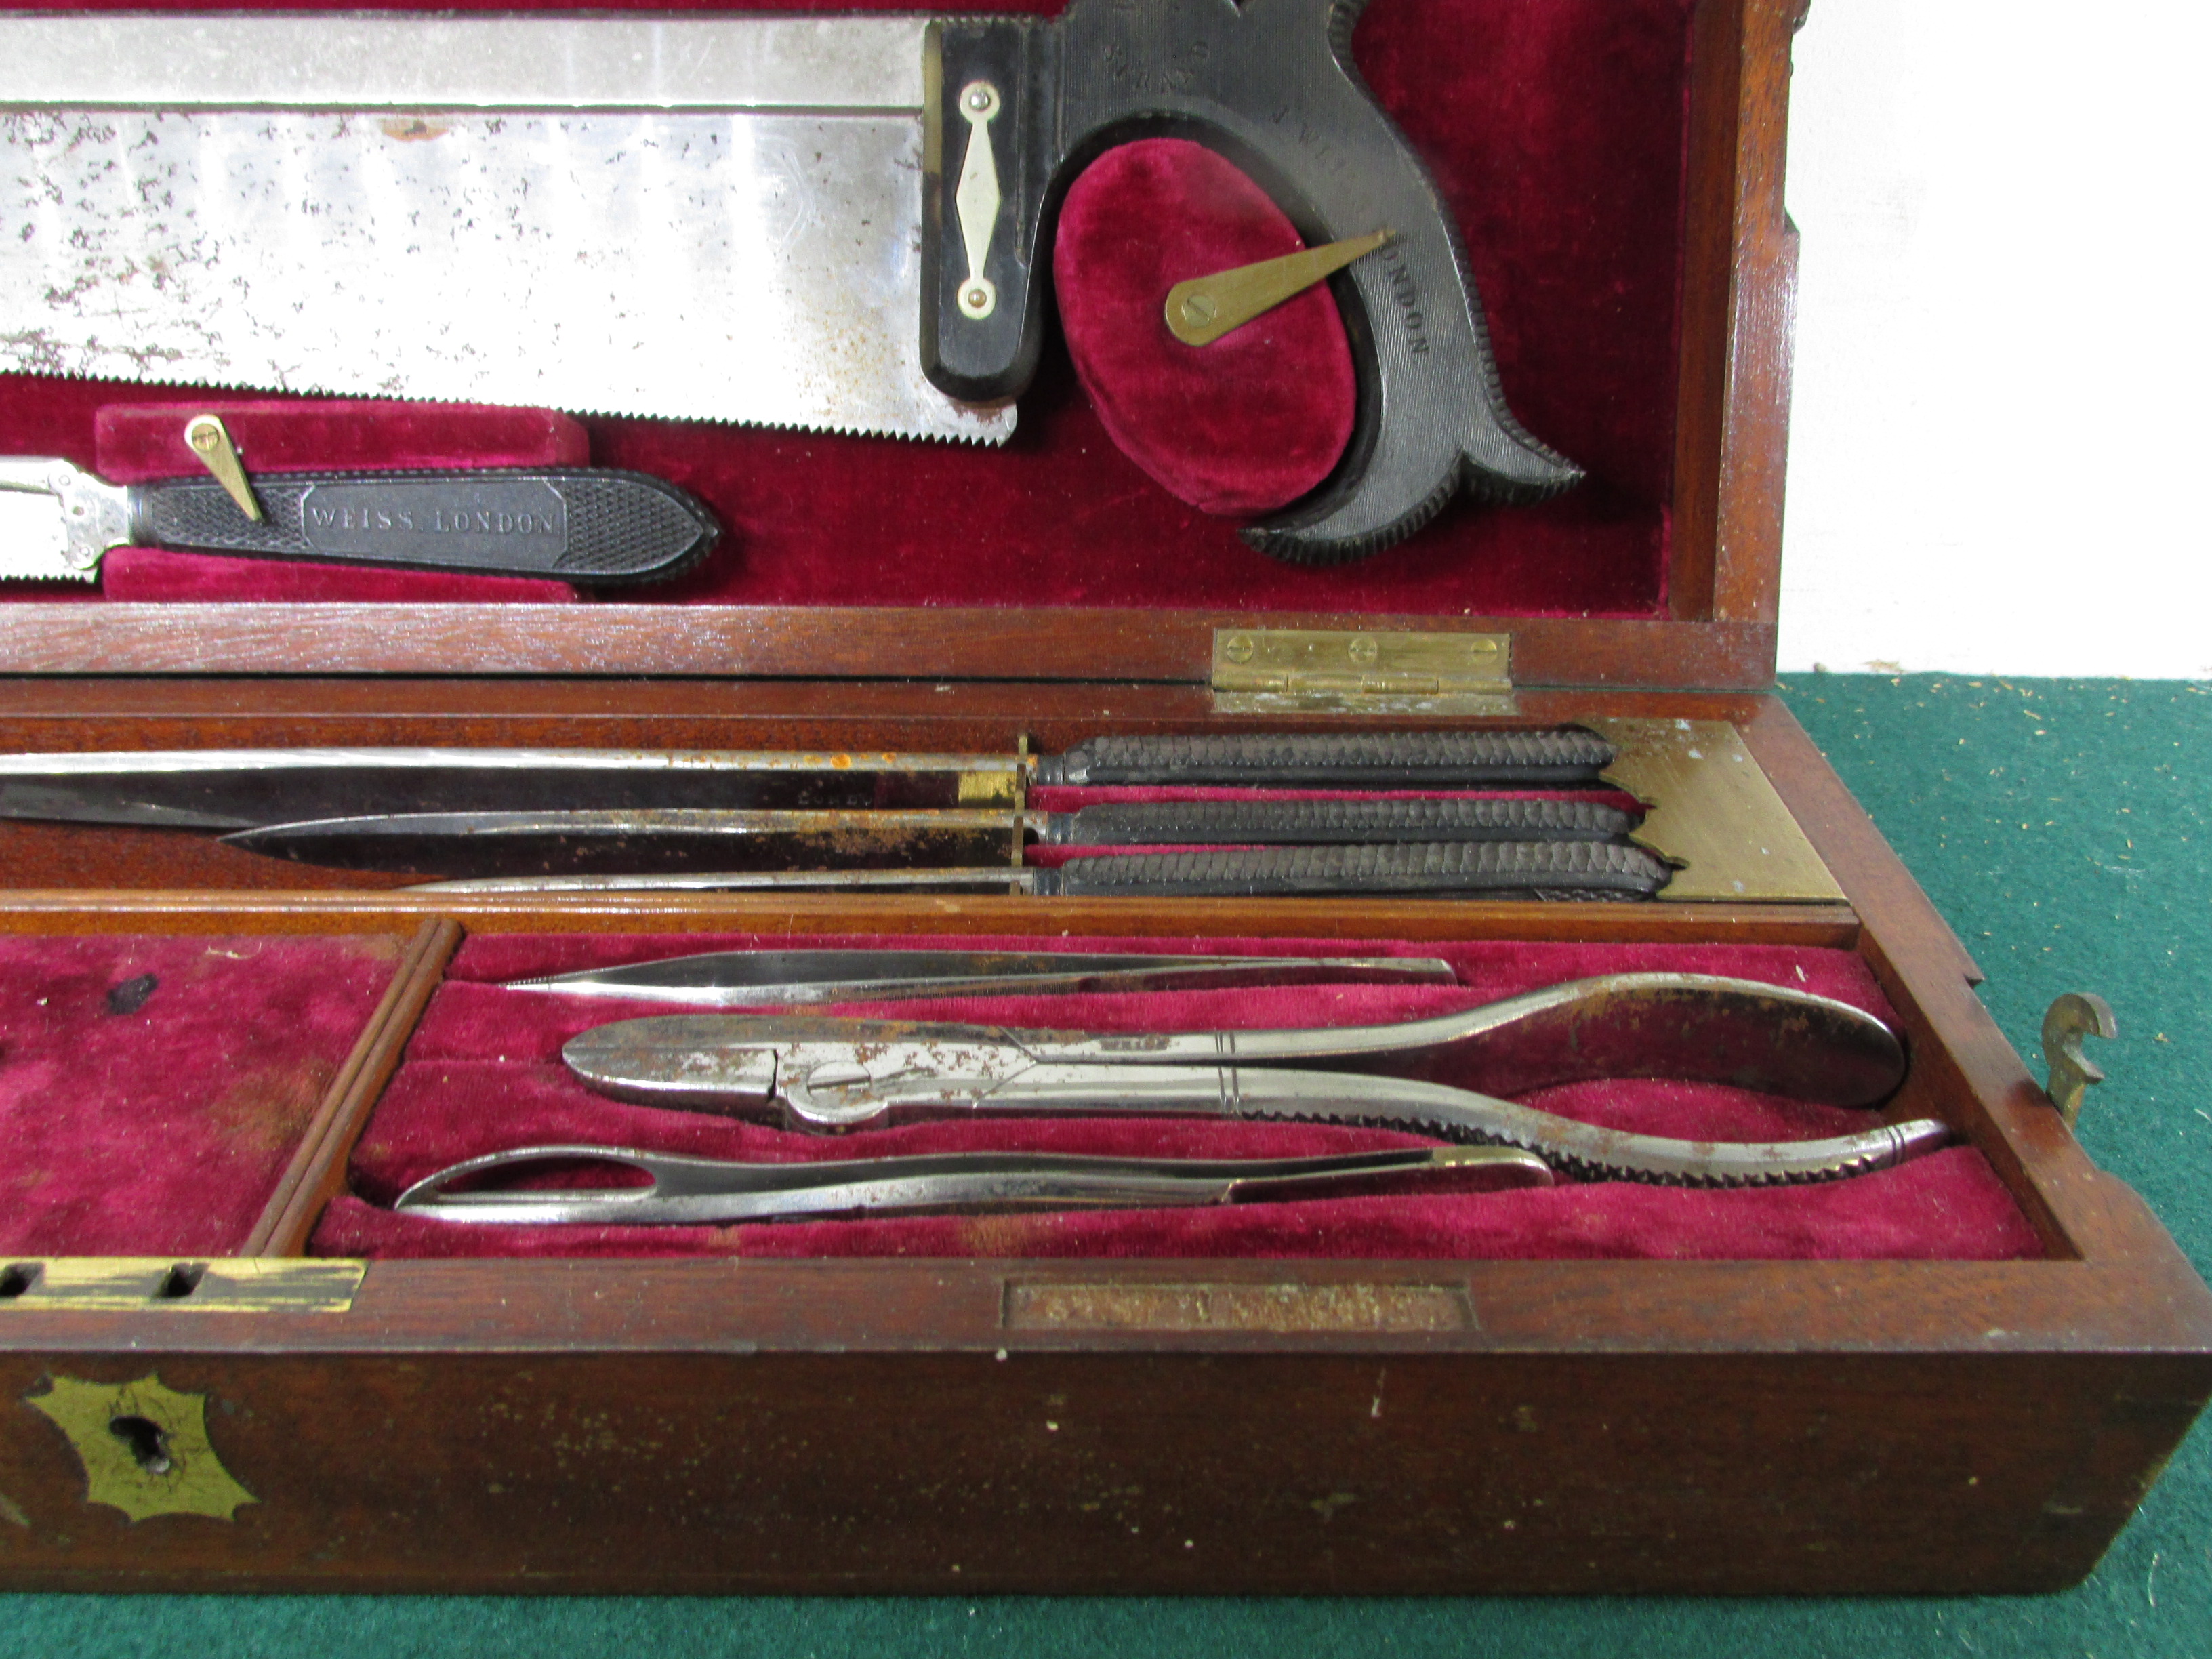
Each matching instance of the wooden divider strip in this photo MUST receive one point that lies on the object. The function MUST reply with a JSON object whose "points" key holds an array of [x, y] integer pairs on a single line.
{"points": [[318, 1168]]}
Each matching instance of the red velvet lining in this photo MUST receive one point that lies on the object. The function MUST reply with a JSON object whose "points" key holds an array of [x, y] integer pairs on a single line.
{"points": [[159, 1127], [1554, 129], [483, 1073]]}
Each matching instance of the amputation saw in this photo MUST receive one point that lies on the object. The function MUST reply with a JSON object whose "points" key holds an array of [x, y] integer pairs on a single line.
{"points": [[835, 223]]}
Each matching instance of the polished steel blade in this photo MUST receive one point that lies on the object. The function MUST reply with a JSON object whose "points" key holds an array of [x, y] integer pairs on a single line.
{"points": [[238, 788], [711, 219], [743, 979]]}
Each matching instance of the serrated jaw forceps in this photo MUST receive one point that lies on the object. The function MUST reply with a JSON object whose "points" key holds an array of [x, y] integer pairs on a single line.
{"points": [[831, 1074]]}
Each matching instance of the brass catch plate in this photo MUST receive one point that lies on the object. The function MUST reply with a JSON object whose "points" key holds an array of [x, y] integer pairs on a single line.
{"points": [[1713, 814], [1334, 671], [110, 1284]]}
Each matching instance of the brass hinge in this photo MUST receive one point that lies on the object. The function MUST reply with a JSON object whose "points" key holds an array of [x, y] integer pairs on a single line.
{"points": [[114, 1284], [1364, 671]]}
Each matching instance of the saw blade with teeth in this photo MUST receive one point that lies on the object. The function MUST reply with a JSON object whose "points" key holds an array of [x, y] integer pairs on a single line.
{"points": [[736, 246]]}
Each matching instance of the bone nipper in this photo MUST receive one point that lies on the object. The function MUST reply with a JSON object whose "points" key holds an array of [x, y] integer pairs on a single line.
{"points": [[829, 1074]]}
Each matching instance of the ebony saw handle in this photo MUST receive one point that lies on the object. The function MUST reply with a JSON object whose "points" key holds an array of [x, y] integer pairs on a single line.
{"points": [[590, 526], [1271, 84]]}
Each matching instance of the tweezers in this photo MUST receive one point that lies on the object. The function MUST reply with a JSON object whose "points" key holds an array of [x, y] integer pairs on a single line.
{"points": [[829, 1074], [700, 1191], [737, 979]]}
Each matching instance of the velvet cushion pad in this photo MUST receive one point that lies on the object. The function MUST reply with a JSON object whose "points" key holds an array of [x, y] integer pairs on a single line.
{"points": [[1554, 130], [160, 1126], [483, 1073], [1245, 424]]}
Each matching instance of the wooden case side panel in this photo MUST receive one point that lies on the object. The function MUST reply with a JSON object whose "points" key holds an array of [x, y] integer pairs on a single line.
{"points": [[1746, 540], [867, 643], [1077, 1473], [1959, 1056]]}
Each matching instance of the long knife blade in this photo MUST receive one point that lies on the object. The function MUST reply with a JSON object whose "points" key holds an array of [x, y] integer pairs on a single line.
{"points": [[752, 979]]}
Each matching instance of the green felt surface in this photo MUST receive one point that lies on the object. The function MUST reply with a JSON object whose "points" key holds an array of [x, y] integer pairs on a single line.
{"points": [[2063, 827]]}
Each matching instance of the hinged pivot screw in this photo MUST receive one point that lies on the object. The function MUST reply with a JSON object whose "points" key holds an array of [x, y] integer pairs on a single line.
{"points": [[207, 437]]}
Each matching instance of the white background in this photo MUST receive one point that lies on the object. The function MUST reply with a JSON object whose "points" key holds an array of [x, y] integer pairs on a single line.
{"points": [[1998, 447]]}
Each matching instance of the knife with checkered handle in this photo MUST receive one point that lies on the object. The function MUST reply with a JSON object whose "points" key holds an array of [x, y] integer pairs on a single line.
{"points": [[636, 842], [590, 526], [1490, 870]]}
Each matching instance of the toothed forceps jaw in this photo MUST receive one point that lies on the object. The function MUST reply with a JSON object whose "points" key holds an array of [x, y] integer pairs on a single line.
{"points": [[831, 1074]]}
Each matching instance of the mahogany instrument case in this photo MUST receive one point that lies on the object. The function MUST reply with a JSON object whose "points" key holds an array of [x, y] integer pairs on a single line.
{"points": [[227, 1363]]}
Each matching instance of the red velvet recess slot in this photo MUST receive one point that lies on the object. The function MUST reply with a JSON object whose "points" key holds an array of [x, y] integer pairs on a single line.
{"points": [[152, 1091], [483, 1073], [1555, 132]]}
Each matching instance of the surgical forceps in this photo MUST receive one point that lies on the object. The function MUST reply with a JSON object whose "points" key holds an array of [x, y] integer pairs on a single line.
{"points": [[832, 1074]]}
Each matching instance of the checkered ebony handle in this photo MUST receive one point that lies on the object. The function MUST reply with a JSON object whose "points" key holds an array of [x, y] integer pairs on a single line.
{"points": [[589, 527], [1340, 823], [1533, 870], [1350, 760]]}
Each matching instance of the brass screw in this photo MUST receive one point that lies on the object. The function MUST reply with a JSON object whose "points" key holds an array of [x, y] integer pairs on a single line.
{"points": [[1199, 309], [1238, 647], [1363, 650]]}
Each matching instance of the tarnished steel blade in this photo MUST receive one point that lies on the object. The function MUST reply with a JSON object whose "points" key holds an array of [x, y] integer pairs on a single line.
{"points": [[738, 979], [557, 225], [390, 60], [238, 788], [638, 839]]}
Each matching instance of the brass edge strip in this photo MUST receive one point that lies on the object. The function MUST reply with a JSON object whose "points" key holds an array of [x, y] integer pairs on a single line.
{"points": [[223, 1285]]}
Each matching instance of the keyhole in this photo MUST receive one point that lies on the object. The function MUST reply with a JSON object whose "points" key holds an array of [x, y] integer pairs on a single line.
{"points": [[149, 1447]]}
